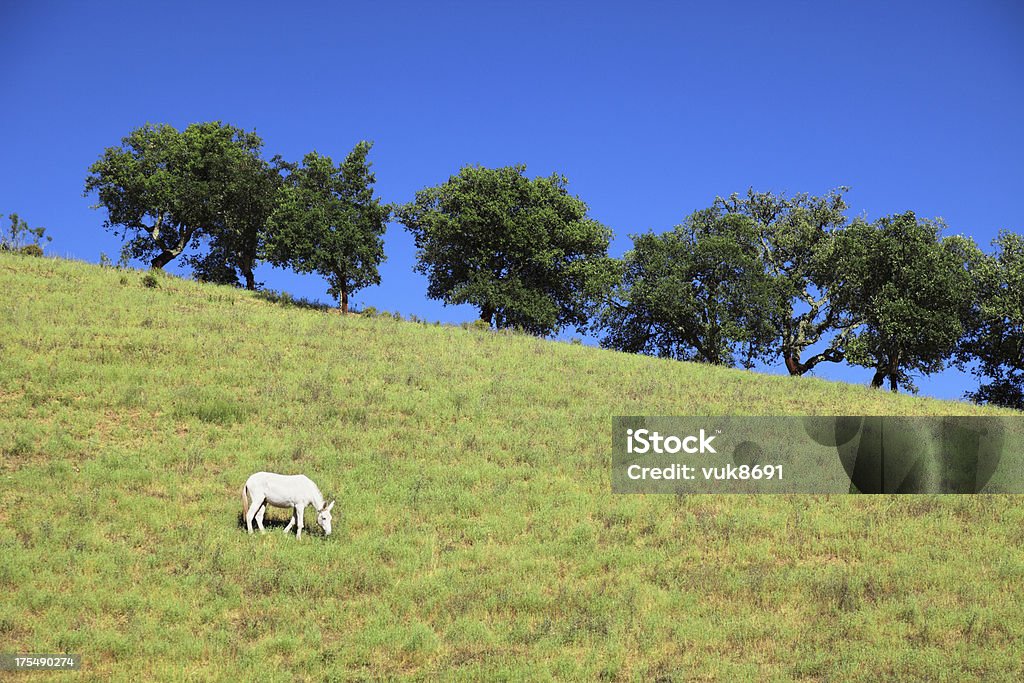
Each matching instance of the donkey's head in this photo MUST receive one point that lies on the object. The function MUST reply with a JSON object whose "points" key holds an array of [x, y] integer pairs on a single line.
{"points": [[323, 518]]}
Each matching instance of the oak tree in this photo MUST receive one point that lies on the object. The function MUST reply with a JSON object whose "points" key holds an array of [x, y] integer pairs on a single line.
{"points": [[165, 190], [698, 292], [328, 221], [523, 251], [912, 290], [996, 341], [794, 243]]}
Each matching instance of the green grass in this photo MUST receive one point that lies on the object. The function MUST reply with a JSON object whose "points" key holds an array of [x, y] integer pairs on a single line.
{"points": [[475, 533]]}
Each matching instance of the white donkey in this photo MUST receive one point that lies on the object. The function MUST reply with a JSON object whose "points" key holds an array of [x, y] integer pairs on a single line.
{"points": [[294, 491]]}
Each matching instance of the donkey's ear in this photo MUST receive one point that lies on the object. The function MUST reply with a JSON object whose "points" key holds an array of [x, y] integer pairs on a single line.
{"points": [[328, 508]]}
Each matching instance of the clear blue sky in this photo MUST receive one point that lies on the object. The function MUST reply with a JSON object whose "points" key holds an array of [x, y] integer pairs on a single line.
{"points": [[650, 109]]}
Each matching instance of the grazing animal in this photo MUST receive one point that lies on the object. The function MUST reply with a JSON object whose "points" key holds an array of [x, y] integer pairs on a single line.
{"points": [[294, 491]]}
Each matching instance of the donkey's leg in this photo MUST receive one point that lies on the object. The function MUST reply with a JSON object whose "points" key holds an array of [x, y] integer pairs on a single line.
{"points": [[259, 517], [254, 507], [291, 523], [298, 520]]}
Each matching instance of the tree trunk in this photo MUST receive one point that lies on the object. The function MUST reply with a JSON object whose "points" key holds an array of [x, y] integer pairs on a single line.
{"points": [[163, 259], [344, 300], [793, 365], [879, 378], [487, 314], [250, 279], [894, 373]]}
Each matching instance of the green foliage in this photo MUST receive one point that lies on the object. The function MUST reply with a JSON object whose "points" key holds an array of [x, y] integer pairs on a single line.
{"points": [[214, 266], [150, 280], [698, 292], [165, 191], [19, 237], [911, 289], [997, 337], [522, 251], [240, 238], [794, 237], [327, 221], [106, 262]]}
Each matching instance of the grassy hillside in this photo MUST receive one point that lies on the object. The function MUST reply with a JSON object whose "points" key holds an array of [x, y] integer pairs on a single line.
{"points": [[475, 533]]}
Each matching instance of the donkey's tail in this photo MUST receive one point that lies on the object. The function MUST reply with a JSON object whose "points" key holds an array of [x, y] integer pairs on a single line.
{"points": [[245, 504]]}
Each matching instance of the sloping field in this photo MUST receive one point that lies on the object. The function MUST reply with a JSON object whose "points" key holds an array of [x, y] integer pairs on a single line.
{"points": [[475, 534]]}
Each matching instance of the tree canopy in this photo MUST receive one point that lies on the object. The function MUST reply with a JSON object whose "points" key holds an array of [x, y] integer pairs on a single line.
{"points": [[747, 276], [166, 190], [794, 238], [237, 242], [697, 292], [912, 290], [996, 340], [523, 251], [327, 221]]}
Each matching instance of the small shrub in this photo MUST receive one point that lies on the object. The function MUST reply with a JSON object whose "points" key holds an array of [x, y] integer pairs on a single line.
{"points": [[21, 238], [481, 325], [105, 261], [150, 280], [368, 312], [124, 279], [285, 299]]}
